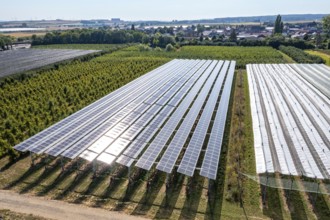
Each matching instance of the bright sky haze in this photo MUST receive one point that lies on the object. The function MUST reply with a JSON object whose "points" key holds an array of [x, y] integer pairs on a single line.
{"points": [[167, 10]]}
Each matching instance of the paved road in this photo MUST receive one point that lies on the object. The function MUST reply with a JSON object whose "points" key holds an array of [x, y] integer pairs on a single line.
{"points": [[54, 209]]}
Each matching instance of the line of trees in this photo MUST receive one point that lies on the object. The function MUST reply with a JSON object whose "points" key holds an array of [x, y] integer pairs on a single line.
{"points": [[103, 36], [6, 42], [300, 56]]}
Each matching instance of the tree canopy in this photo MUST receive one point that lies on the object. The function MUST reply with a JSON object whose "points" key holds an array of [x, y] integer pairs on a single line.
{"points": [[233, 36], [326, 24], [278, 27], [5, 42], [103, 36]]}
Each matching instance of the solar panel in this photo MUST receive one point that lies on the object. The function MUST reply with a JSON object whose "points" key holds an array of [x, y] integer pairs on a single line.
{"points": [[135, 148], [124, 160], [172, 152], [101, 144], [106, 158], [89, 155], [189, 161], [117, 146], [154, 149], [89, 110], [211, 159], [90, 138], [132, 132]]}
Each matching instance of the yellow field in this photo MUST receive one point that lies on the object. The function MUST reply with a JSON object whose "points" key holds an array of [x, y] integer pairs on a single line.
{"points": [[25, 34], [324, 56]]}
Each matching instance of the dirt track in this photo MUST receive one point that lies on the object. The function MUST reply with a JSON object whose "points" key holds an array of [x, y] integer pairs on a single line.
{"points": [[54, 209]]}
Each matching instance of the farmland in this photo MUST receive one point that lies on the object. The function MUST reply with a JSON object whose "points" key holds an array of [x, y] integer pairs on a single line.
{"points": [[243, 55], [324, 54], [29, 106], [16, 61], [103, 47], [300, 56]]}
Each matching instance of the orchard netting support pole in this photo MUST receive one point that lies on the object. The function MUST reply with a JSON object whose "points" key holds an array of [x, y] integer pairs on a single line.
{"points": [[289, 195], [265, 189], [317, 191]]}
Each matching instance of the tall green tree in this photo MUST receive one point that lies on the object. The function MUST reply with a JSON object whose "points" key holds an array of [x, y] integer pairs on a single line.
{"points": [[278, 27], [233, 36], [326, 24], [318, 40]]}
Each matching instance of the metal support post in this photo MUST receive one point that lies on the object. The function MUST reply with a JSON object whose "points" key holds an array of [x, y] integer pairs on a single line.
{"points": [[94, 168], [317, 192], [62, 165], [167, 184], [32, 159], [265, 190], [289, 196]]}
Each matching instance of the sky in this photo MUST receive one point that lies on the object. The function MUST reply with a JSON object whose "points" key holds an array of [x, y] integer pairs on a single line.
{"points": [[166, 10]]}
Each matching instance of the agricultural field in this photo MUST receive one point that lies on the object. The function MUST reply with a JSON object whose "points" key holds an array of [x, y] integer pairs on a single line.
{"points": [[300, 56], [17, 61], [154, 102], [29, 106], [243, 55], [25, 34], [325, 55], [103, 47]]}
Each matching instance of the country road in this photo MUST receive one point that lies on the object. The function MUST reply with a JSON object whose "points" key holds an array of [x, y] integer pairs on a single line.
{"points": [[54, 209]]}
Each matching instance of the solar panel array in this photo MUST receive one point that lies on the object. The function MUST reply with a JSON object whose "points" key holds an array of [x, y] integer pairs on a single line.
{"points": [[291, 119], [150, 119]]}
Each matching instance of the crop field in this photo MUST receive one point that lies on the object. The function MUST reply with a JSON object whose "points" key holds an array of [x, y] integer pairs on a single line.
{"points": [[300, 56], [154, 103], [324, 54], [29, 106], [103, 47], [16, 61], [243, 55]]}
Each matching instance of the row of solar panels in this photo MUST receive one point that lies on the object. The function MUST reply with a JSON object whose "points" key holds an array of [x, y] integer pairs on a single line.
{"points": [[152, 118], [291, 121]]}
